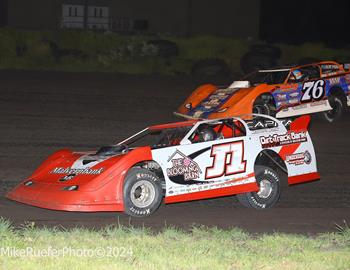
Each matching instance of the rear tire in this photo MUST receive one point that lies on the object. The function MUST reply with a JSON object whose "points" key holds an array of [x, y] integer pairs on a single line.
{"points": [[338, 108], [142, 193], [269, 183]]}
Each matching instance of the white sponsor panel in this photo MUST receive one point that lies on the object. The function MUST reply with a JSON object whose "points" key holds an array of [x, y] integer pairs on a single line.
{"points": [[193, 167], [304, 109]]}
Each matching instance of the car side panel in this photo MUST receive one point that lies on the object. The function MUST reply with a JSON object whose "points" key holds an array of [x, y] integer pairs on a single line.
{"points": [[208, 169]]}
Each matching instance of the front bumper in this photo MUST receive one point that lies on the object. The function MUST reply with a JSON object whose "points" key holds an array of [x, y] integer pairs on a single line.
{"points": [[52, 197]]}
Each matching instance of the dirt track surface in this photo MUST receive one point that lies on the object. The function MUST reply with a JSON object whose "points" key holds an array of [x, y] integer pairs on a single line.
{"points": [[41, 112]]}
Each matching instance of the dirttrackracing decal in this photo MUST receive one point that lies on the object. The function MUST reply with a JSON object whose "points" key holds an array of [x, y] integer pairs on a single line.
{"points": [[61, 170], [283, 139], [299, 158]]}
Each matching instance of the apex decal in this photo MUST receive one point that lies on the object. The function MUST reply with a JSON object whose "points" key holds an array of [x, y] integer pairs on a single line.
{"points": [[61, 170], [181, 165], [284, 139]]}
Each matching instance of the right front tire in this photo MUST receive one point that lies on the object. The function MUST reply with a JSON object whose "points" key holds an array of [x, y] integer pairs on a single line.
{"points": [[337, 105], [142, 193]]}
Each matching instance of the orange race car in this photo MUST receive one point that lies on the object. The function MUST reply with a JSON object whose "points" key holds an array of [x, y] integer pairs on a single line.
{"points": [[322, 87]]}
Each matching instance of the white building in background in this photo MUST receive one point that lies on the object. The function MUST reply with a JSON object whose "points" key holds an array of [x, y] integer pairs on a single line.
{"points": [[73, 16], [98, 18]]}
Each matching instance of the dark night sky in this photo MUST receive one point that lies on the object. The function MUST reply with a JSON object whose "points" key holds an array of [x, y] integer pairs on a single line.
{"points": [[309, 20]]}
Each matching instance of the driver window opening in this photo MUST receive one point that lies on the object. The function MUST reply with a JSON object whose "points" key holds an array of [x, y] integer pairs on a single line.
{"points": [[210, 132], [304, 74]]}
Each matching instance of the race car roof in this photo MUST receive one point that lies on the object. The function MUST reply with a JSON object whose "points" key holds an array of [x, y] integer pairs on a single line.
{"points": [[275, 70], [174, 125]]}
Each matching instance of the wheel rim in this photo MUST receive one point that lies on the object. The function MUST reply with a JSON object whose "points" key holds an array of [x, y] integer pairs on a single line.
{"points": [[142, 194], [265, 189]]}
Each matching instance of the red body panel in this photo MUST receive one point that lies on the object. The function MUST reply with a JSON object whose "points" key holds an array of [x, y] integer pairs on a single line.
{"points": [[103, 192], [303, 178]]}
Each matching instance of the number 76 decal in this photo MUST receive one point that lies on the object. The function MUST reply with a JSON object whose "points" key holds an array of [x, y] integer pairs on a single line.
{"points": [[313, 91], [228, 160]]}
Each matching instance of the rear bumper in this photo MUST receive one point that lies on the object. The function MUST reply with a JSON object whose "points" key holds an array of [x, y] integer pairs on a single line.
{"points": [[53, 198]]}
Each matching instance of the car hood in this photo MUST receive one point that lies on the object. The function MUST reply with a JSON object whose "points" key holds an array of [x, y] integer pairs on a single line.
{"points": [[66, 166], [216, 100]]}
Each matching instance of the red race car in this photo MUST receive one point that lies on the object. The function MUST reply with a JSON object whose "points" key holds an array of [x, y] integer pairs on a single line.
{"points": [[181, 161]]}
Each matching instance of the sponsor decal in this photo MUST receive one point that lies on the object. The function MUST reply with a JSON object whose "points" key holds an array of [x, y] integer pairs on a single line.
{"points": [[319, 103], [197, 114], [279, 104], [67, 177], [212, 103], [182, 165], [275, 140], [72, 171], [335, 80], [293, 101], [261, 124], [300, 107], [299, 158], [281, 96], [330, 74], [347, 78], [294, 94], [330, 67], [218, 96]]}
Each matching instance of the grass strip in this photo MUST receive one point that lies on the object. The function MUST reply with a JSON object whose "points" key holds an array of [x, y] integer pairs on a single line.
{"points": [[121, 247]]}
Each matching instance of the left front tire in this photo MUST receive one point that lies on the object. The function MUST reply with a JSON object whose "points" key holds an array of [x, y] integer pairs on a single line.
{"points": [[142, 193], [264, 105]]}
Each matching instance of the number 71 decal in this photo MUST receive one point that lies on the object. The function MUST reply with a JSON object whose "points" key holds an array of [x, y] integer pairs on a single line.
{"points": [[228, 160], [313, 91]]}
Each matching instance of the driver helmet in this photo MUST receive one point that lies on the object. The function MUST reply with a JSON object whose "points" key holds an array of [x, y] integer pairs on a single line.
{"points": [[207, 134], [297, 74]]}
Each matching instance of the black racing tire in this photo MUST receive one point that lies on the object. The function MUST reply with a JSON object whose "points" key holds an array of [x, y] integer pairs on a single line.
{"points": [[266, 107], [270, 189], [333, 115], [142, 193]]}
